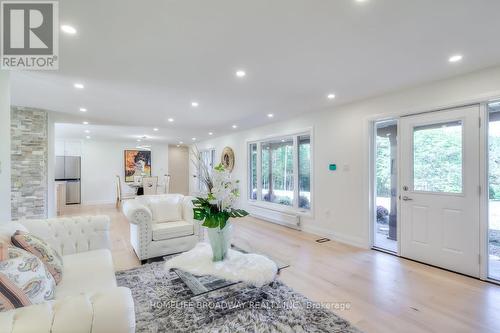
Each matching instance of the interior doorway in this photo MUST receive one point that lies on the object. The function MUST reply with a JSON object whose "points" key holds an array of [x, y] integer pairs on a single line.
{"points": [[178, 169]]}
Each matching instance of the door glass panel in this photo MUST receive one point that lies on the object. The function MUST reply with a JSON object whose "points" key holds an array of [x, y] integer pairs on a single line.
{"points": [[386, 176], [437, 157], [494, 191]]}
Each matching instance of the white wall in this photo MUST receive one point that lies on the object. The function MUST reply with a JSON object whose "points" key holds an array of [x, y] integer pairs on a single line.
{"points": [[103, 160], [341, 136], [5, 213]]}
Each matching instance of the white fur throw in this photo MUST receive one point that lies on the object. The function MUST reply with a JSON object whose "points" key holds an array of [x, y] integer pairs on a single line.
{"points": [[251, 268]]}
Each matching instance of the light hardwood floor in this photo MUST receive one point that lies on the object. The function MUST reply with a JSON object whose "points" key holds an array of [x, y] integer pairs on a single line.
{"points": [[386, 293]]}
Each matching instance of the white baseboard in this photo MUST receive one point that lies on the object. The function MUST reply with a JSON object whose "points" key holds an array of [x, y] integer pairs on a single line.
{"points": [[341, 238]]}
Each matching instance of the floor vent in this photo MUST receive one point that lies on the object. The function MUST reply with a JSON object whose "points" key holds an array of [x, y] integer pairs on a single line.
{"points": [[322, 240]]}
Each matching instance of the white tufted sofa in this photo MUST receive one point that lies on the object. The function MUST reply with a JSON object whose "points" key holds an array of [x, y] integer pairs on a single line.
{"points": [[87, 299], [150, 238]]}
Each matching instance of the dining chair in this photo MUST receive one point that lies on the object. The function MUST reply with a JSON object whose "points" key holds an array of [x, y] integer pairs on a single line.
{"points": [[150, 185], [167, 183], [119, 194]]}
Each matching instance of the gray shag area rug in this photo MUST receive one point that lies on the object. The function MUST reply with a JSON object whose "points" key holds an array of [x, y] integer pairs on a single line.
{"points": [[163, 303]]}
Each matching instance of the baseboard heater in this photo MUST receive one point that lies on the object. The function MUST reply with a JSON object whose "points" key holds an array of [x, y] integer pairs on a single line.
{"points": [[287, 219]]}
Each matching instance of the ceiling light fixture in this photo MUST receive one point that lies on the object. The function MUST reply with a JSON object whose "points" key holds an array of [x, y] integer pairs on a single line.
{"points": [[194, 139], [455, 58], [138, 140], [270, 115], [88, 137], [170, 120], [78, 85], [156, 129], [210, 133], [83, 110], [234, 126], [68, 29], [330, 96], [87, 131], [85, 123], [180, 142], [241, 73], [195, 104]]}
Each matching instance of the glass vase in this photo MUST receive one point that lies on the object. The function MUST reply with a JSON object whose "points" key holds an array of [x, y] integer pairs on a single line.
{"points": [[220, 241]]}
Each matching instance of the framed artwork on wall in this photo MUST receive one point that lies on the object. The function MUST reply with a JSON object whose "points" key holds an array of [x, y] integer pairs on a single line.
{"points": [[137, 163]]}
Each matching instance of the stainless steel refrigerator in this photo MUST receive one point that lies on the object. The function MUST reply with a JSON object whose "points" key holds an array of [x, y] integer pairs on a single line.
{"points": [[68, 170]]}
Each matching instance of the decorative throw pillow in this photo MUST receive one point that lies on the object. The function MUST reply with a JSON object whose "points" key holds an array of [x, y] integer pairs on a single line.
{"points": [[24, 280], [42, 250], [166, 209], [8, 229]]}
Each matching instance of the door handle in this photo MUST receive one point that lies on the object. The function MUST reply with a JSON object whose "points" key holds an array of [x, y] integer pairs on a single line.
{"points": [[405, 198]]}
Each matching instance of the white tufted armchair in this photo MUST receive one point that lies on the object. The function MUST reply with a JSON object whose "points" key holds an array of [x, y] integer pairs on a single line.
{"points": [[161, 225], [87, 299]]}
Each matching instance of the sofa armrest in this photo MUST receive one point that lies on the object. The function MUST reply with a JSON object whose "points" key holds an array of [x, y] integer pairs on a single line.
{"points": [[101, 312], [136, 212], [73, 234], [188, 216]]}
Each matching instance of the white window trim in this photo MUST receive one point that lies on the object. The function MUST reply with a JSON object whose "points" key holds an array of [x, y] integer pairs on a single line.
{"points": [[274, 206]]}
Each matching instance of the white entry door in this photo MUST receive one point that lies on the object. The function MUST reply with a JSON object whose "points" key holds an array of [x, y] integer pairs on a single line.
{"points": [[440, 189]]}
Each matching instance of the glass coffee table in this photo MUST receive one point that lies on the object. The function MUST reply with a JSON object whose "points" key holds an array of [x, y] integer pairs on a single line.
{"points": [[202, 284]]}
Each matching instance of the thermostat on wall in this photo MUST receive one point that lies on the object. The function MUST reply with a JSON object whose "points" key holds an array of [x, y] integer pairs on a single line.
{"points": [[332, 167]]}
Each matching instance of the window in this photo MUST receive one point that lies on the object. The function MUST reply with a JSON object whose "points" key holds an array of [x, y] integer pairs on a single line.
{"points": [[386, 184], [494, 191], [437, 158], [280, 171]]}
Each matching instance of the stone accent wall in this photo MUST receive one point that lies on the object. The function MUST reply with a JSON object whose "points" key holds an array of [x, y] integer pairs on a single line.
{"points": [[29, 156]]}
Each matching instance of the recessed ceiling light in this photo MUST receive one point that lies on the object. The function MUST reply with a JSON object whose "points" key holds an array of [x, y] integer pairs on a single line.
{"points": [[180, 142], [138, 140], [455, 58], [88, 137], [68, 29], [194, 139], [270, 115], [83, 110], [156, 129], [234, 126], [195, 104], [210, 133], [241, 73], [330, 96], [87, 131], [78, 85], [85, 123], [170, 120], [361, 0]]}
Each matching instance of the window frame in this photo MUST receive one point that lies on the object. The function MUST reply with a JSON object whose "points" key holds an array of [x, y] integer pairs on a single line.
{"points": [[295, 204]]}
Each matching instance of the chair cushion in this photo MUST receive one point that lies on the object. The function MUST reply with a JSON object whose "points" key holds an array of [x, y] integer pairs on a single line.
{"points": [[162, 231], [24, 279], [166, 209], [42, 250], [84, 272]]}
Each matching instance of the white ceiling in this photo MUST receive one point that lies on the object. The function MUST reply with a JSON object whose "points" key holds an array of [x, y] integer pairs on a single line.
{"points": [[143, 62]]}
